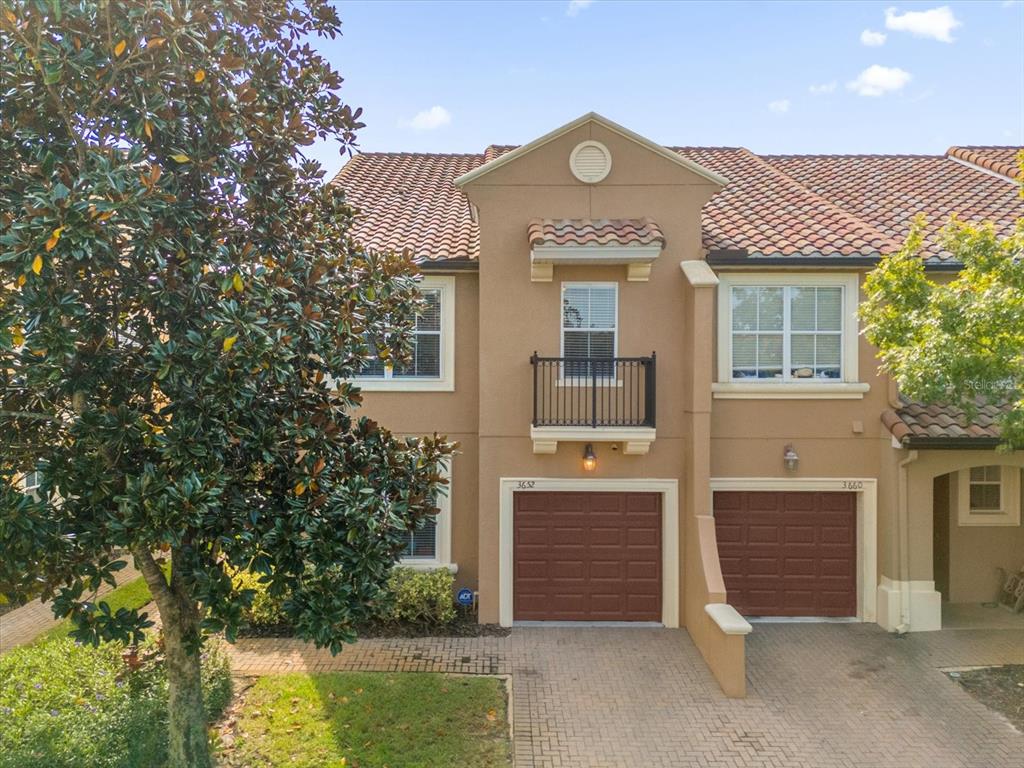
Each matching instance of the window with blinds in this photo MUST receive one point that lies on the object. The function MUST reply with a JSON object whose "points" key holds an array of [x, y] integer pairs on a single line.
{"points": [[31, 481], [787, 333], [426, 346], [589, 328], [421, 544]]}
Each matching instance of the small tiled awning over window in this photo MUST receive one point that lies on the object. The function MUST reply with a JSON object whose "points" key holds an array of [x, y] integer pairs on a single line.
{"points": [[633, 242], [623, 232]]}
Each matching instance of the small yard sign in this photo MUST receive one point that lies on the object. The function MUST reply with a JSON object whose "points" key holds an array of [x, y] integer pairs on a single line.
{"points": [[464, 596]]}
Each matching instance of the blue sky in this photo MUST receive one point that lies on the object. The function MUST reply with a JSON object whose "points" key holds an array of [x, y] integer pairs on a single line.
{"points": [[774, 77]]}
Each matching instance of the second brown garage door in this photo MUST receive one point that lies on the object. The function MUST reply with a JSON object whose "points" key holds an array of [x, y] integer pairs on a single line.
{"points": [[587, 556], [788, 554]]}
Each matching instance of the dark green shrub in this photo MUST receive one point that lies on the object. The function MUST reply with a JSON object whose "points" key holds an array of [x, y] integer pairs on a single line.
{"points": [[64, 705], [419, 597]]}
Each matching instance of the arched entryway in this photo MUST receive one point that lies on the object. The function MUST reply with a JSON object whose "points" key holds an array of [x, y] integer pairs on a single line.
{"points": [[977, 538]]}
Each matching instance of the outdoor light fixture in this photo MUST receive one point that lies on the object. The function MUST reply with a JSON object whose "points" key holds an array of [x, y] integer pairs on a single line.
{"points": [[589, 458], [790, 457]]}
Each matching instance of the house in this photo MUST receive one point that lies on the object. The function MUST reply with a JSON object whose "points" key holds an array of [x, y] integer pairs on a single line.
{"points": [[650, 357]]}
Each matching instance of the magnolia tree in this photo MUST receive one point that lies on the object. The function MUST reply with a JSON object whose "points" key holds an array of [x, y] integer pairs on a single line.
{"points": [[180, 310], [960, 340]]}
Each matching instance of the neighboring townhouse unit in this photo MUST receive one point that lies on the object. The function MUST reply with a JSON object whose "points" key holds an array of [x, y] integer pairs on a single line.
{"points": [[650, 358]]}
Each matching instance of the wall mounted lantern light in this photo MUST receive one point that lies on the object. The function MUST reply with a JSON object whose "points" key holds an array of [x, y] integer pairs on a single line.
{"points": [[790, 458], [589, 458]]}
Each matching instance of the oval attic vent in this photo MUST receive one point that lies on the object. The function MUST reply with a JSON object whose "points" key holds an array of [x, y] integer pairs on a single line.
{"points": [[590, 162]]}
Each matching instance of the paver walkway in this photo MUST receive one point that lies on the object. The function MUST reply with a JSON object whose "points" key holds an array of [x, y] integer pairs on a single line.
{"points": [[23, 625], [820, 695]]}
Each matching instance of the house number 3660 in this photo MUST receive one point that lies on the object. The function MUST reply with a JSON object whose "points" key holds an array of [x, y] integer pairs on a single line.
{"points": [[853, 485]]}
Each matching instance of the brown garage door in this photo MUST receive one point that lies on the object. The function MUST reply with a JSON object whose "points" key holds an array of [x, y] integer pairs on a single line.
{"points": [[788, 554], [587, 557]]}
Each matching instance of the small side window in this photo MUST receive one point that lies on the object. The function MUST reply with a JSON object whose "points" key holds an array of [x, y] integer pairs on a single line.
{"points": [[988, 495]]}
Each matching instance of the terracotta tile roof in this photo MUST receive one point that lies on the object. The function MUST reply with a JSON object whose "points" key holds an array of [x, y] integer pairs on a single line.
{"points": [[766, 213], [888, 191], [595, 232], [495, 151], [773, 205], [1001, 160], [916, 421], [409, 202]]}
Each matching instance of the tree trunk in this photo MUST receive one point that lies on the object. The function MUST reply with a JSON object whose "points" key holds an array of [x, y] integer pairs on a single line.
{"points": [[188, 742]]}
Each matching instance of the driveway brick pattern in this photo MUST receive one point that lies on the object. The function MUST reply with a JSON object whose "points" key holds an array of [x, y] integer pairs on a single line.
{"points": [[454, 655], [819, 695]]}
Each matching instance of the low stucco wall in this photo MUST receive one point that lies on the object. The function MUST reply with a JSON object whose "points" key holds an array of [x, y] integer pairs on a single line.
{"points": [[724, 654]]}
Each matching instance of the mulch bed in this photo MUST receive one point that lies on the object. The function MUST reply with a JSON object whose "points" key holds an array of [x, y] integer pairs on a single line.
{"points": [[998, 688], [465, 625]]}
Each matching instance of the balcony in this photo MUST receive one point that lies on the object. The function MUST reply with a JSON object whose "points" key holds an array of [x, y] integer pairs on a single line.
{"points": [[584, 399]]}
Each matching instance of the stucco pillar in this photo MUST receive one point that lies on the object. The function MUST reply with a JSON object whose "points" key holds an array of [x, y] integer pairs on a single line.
{"points": [[721, 644]]}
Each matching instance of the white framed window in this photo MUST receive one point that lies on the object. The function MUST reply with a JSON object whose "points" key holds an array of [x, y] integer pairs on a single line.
{"points": [[432, 366], [30, 482], [431, 545], [781, 334], [590, 319], [988, 495]]}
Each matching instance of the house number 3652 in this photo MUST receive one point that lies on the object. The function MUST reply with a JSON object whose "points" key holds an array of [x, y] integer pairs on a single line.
{"points": [[525, 484]]}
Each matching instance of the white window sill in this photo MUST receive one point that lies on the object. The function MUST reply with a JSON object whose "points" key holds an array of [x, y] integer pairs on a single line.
{"points": [[734, 390], [404, 385], [428, 565], [1004, 520]]}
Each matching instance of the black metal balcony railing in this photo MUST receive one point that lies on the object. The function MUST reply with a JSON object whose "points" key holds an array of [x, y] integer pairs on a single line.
{"points": [[593, 391]]}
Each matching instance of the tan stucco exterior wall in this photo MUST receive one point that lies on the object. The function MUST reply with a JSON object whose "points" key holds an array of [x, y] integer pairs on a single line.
{"points": [[977, 553], [454, 414], [519, 316]]}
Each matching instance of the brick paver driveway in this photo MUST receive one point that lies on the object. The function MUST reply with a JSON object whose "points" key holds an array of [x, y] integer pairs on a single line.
{"points": [[820, 695]]}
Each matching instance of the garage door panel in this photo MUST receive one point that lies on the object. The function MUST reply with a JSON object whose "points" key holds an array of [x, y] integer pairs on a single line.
{"points": [[647, 537], [760, 566], [728, 534], [788, 553], [642, 606], [606, 536], [643, 570], [834, 534], [798, 534], [587, 556], [762, 534], [834, 567], [800, 566], [566, 569]]}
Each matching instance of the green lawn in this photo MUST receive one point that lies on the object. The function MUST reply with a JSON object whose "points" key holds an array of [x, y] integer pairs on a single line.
{"points": [[133, 594], [372, 720]]}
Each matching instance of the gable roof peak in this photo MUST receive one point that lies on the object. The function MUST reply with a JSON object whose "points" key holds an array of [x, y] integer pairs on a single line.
{"points": [[590, 117]]}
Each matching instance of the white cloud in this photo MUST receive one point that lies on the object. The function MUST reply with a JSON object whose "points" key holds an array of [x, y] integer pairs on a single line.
{"points": [[872, 39], [936, 23], [431, 119], [877, 80], [779, 106], [822, 88], [575, 6]]}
